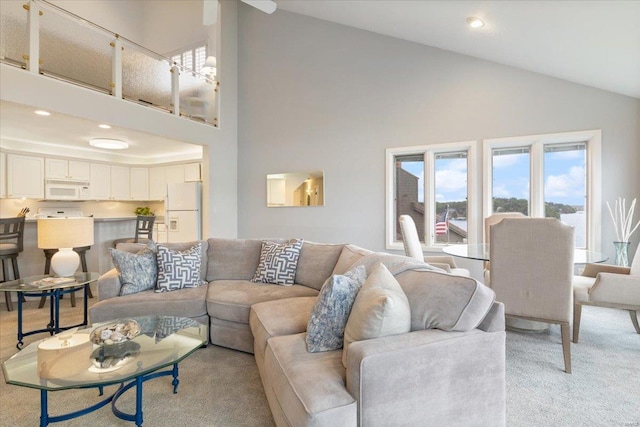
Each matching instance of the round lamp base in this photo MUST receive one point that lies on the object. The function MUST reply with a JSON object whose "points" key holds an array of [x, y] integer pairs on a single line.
{"points": [[65, 262]]}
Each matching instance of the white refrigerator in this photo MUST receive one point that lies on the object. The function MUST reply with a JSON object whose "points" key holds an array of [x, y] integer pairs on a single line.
{"points": [[183, 212]]}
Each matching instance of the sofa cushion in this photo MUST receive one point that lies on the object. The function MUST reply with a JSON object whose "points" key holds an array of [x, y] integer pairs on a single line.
{"points": [[185, 303], [176, 246], [348, 256], [137, 272], [178, 269], [309, 387], [316, 263], [381, 308], [280, 317], [325, 329], [445, 301], [233, 259], [232, 299], [278, 263]]}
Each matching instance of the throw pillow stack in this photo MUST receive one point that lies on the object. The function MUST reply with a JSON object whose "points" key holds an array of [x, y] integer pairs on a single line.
{"points": [[353, 307], [158, 267]]}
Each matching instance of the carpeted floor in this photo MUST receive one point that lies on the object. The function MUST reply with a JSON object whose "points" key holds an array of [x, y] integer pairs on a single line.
{"points": [[221, 387]]}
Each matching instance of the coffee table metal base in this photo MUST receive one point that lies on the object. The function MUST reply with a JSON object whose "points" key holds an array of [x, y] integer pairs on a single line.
{"points": [[45, 419]]}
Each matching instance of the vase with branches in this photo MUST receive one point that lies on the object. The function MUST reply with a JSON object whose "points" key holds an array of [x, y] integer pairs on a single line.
{"points": [[623, 226]]}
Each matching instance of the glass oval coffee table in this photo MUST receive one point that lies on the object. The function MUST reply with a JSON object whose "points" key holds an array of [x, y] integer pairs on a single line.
{"points": [[72, 360]]}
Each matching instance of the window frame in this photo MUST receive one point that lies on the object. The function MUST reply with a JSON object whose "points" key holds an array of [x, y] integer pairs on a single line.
{"points": [[190, 49], [429, 152], [593, 200]]}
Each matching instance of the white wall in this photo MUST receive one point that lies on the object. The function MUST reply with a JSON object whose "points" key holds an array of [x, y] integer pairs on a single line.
{"points": [[315, 95], [121, 17]]}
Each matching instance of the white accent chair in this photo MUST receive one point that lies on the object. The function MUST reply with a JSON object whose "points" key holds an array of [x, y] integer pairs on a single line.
{"points": [[608, 286], [413, 249], [532, 272]]}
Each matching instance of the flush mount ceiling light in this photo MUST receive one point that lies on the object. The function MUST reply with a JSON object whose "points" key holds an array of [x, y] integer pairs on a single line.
{"points": [[103, 126], [42, 113], [475, 22], [108, 143]]}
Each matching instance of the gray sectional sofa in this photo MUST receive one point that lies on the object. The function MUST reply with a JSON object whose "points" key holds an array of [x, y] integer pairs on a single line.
{"points": [[448, 370]]}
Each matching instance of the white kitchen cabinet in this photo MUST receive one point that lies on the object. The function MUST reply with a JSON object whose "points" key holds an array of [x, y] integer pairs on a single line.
{"points": [[120, 183], [139, 189], [67, 169], [3, 175], [192, 172], [25, 176], [174, 174], [100, 179], [157, 183]]}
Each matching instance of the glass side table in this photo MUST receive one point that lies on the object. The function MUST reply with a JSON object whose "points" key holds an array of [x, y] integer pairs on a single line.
{"points": [[34, 286]]}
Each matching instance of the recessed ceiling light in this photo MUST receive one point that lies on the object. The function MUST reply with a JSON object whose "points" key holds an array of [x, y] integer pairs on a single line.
{"points": [[475, 22], [103, 126], [108, 143], [42, 113]]}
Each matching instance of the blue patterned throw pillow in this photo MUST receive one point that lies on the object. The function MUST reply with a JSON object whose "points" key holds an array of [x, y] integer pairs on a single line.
{"points": [[278, 263], [178, 269], [137, 271], [329, 315]]}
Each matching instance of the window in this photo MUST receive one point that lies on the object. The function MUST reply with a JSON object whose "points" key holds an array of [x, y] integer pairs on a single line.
{"points": [[438, 174], [192, 59], [555, 175]]}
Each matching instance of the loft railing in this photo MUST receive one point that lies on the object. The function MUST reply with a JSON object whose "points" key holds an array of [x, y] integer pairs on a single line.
{"points": [[45, 39]]}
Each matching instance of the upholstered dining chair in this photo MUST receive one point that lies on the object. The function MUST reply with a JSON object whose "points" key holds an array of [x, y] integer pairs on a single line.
{"points": [[607, 286], [488, 222], [413, 248], [532, 272]]}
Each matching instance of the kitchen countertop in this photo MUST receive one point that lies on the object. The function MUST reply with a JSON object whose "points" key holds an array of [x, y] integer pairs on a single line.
{"points": [[159, 219]]}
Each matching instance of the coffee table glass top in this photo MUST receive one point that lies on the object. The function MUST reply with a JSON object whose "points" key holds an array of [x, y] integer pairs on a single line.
{"points": [[40, 284], [71, 360]]}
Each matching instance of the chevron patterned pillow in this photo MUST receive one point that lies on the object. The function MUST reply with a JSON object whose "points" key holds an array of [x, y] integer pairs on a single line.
{"points": [[178, 269], [278, 263]]}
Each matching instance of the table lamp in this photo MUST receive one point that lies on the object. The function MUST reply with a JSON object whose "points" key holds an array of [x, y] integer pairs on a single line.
{"points": [[65, 234]]}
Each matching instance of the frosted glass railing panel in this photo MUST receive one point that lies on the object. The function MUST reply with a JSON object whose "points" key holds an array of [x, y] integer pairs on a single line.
{"points": [[146, 79], [197, 97], [75, 52], [13, 31]]}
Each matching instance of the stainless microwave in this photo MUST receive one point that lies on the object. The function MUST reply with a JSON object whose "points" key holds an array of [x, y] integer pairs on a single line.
{"points": [[64, 189]]}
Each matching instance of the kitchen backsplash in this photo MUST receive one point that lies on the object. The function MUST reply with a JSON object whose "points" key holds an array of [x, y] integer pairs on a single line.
{"points": [[99, 209]]}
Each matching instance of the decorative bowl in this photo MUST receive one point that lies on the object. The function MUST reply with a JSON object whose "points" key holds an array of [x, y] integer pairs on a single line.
{"points": [[115, 333]]}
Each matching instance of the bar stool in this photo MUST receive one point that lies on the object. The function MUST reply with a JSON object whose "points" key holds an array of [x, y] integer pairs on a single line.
{"points": [[11, 238], [144, 231], [48, 254]]}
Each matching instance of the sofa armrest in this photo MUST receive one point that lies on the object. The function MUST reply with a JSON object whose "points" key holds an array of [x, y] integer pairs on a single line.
{"points": [[592, 270], [425, 377], [109, 285]]}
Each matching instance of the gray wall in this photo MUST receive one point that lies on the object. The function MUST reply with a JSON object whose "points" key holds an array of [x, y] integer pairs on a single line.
{"points": [[317, 95]]}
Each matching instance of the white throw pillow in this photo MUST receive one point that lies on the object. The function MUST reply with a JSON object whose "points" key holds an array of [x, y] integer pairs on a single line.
{"points": [[380, 309]]}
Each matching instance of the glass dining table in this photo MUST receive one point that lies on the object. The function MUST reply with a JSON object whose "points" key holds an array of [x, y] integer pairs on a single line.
{"points": [[480, 251]]}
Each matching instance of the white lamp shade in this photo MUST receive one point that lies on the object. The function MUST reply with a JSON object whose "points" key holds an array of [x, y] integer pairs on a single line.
{"points": [[57, 233], [209, 67]]}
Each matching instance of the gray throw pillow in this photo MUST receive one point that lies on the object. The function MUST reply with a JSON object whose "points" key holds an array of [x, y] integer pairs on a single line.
{"points": [[329, 315], [178, 269], [278, 263], [137, 271]]}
